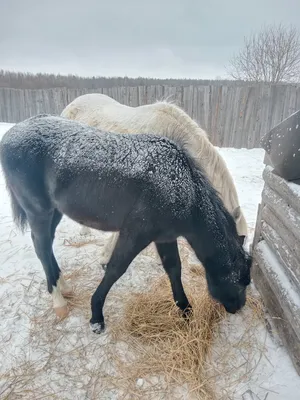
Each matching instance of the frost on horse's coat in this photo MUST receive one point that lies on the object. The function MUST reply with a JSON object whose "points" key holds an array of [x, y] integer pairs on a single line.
{"points": [[145, 187], [164, 119]]}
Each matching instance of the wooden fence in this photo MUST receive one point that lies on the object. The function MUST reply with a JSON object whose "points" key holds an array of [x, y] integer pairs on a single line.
{"points": [[234, 116], [276, 253]]}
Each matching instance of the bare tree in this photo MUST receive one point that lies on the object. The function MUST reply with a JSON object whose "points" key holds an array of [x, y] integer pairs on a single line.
{"points": [[271, 55]]}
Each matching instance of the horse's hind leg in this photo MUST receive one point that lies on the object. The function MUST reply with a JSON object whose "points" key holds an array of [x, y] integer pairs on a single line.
{"points": [[42, 234], [169, 256], [127, 248]]}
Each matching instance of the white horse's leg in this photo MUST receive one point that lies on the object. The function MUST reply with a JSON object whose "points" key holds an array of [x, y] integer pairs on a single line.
{"points": [[65, 287], [109, 248], [59, 303], [85, 231]]}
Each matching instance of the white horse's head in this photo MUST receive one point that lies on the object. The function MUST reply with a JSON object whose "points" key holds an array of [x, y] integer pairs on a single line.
{"points": [[241, 224]]}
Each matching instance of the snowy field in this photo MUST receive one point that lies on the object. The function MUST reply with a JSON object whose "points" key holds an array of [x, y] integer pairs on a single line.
{"points": [[41, 358]]}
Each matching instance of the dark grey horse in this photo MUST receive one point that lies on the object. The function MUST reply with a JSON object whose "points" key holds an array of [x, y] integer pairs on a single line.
{"points": [[144, 186]]}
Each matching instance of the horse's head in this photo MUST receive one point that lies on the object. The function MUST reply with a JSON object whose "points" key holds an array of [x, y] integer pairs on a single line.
{"points": [[219, 245], [228, 284]]}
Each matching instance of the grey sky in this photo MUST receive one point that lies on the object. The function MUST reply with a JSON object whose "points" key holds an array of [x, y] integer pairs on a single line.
{"points": [[161, 38]]}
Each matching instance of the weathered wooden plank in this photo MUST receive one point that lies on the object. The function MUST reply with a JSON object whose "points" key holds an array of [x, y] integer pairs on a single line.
{"points": [[254, 135], [133, 96], [280, 297], [223, 115], [282, 143], [142, 95], [151, 95], [257, 231], [284, 329], [196, 106], [170, 93], [199, 110], [179, 96], [240, 132], [214, 115], [282, 252], [188, 95], [265, 111], [235, 136], [206, 109], [282, 209], [286, 292], [159, 92], [269, 215], [287, 190]]}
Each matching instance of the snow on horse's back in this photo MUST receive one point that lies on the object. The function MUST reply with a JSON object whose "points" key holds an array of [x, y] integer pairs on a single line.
{"points": [[165, 119]]}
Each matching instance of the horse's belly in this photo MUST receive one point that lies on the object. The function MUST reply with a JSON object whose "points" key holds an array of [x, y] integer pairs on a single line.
{"points": [[99, 225], [105, 214], [100, 222]]}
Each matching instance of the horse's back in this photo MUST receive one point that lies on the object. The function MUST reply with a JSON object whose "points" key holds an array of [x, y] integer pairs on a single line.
{"points": [[62, 160], [71, 142], [165, 119], [20, 137]]}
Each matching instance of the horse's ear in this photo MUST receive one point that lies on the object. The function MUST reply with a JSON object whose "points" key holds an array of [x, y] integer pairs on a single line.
{"points": [[237, 213]]}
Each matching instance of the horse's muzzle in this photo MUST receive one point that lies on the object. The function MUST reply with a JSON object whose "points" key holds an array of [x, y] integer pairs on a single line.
{"points": [[231, 310]]}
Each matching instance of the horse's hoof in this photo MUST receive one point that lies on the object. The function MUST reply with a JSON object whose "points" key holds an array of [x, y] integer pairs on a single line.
{"points": [[97, 327], [61, 312], [187, 312]]}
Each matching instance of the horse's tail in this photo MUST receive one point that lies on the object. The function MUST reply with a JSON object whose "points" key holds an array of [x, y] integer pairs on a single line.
{"points": [[19, 214]]}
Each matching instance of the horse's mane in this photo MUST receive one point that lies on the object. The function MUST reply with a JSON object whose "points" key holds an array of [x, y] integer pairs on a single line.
{"points": [[201, 178], [201, 150]]}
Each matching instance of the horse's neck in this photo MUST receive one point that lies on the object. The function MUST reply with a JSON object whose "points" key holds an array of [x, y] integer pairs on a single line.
{"points": [[203, 242]]}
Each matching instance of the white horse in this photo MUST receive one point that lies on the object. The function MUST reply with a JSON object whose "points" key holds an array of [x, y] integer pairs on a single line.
{"points": [[165, 119]]}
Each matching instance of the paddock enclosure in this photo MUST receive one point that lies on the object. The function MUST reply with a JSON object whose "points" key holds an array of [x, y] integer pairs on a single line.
{"points": [[276, 270]]}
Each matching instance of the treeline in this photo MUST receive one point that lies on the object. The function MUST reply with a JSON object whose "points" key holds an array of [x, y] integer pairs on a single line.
{"points": [[21, 80]]}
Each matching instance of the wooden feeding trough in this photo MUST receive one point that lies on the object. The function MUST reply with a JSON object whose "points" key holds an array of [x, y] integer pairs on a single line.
{"points": [[276, 245]]}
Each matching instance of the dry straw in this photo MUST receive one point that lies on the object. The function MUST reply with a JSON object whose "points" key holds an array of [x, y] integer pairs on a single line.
{"points": [[162, 352], [166, 344]]}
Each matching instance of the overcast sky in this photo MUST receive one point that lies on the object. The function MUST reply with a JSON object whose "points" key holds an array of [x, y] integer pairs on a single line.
{"points": [[158, 38]]}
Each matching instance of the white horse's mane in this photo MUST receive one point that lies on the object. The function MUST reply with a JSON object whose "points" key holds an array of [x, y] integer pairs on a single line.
{"points": [[166, 119]]}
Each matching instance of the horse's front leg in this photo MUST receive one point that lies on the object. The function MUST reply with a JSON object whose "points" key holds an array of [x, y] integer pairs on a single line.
{"points": [[128, 246], [108, 249], [169, 256]]}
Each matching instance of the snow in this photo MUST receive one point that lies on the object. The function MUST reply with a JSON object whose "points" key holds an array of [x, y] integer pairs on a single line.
{"points": [[77, 374]]}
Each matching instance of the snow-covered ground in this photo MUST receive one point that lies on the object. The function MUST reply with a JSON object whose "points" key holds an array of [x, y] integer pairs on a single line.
{"points": [[62, 360]]}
